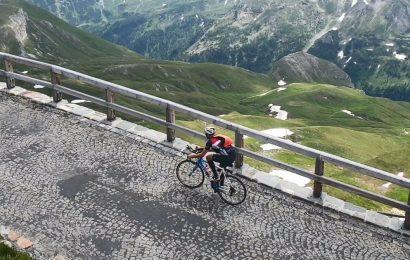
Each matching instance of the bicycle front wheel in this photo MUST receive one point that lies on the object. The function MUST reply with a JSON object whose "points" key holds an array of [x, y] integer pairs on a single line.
{"points": [[233, 191], [189, 174]]}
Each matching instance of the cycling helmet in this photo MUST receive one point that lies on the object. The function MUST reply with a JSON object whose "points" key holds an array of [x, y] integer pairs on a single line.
{"points": [[210, 131]]}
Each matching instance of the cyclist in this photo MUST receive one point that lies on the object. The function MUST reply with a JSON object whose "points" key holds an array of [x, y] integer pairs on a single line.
{"points": [[218, 148]]}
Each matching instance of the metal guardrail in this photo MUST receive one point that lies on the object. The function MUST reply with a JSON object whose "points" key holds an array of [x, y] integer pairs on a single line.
{"points": [[171, 107]]}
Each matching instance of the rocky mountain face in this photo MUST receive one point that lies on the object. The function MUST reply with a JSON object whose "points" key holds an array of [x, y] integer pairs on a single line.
{"points": [[304, 67], [29, 31], [371, 42], [366, 38], [245, 33]]}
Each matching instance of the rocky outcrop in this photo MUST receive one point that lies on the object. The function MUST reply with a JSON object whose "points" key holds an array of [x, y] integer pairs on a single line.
{"points": [[304, 67], [18, 24]]}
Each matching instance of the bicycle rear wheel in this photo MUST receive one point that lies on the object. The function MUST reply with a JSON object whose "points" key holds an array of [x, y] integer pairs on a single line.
{"points": [[189, 174], [233, 191]]}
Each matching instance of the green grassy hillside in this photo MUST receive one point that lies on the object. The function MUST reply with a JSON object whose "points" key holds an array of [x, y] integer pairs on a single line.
{"points": [[378, 135], [51, 39], [319, 104]]}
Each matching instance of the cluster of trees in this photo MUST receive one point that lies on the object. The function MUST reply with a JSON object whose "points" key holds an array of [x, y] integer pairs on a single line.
{"points": [[391, 80]]}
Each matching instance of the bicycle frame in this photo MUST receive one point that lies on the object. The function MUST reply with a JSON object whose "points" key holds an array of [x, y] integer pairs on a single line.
{"points": [[201, 164]]}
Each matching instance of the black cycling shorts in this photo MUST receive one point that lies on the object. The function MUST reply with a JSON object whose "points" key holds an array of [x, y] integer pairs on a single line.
{"points": [[225, 160]]}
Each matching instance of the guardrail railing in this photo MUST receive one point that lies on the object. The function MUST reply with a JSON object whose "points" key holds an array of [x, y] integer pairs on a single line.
{"points": [[112, 89]]}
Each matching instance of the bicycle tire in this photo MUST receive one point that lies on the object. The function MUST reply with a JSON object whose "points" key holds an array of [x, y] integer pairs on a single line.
{"points": [[229, 179], [181, 172]]}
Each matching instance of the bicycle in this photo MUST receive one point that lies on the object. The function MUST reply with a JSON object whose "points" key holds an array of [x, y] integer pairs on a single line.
{"points": [[192, 174]]}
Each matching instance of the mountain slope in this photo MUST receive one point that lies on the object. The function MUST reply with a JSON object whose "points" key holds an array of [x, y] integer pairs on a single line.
{"points": [[371, 42], [30, 31], [255, 34], [303, 67], [246, 33]]}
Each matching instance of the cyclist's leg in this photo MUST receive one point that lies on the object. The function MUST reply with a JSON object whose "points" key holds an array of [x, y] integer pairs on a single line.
{"points": [[210, 159], [226, 160], [222, 159]]}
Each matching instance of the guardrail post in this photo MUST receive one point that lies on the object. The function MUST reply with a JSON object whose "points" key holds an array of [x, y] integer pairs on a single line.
{"points": [[8, 66], [406, 224], [56, 79], [239, 142], [170, 119], [110, 97], [319, 170]]}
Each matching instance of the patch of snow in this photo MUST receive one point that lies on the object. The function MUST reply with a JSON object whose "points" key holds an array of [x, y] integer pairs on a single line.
{"points": [[348, 60], [38, 86], [354, 2], [399, 56], [281, 83], [102, 4], [280, 114], [351, 114], [370, 49], [291, 177], [347, 112], [79, 101], [354, 62], [278, 132], [340, 54], [275, 132], [163, 5], [334, 29], [365, 1], [378, 66], [280, 89], [197, 16], [387, 185], [390, 44], [182, 18], [202, 24], [342, 17], [269, 147], [24, 72]]}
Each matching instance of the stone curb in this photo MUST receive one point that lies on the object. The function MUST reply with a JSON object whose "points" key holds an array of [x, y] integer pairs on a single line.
{"points": [[15, 240], [144, 134]]}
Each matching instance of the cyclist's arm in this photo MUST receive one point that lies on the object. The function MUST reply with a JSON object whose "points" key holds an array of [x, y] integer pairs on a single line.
{"points": [[207, 148], [199, 155]]}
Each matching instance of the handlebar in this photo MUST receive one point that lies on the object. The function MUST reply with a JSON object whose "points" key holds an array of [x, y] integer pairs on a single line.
{"points": [[196, 150]]}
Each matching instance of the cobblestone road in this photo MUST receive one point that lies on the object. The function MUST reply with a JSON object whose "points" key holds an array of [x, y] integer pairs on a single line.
{"points": [[84, 192]]}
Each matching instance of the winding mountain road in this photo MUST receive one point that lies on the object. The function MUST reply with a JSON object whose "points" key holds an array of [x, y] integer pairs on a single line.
{"points": [[81, 191]]}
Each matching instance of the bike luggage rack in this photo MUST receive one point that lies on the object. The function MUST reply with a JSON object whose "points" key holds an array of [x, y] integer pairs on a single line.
{"points": [[111, 89]]}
